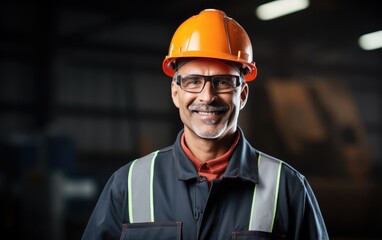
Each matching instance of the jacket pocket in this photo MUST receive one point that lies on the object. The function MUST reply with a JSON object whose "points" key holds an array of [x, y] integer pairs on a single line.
{"points": [[256, 235], [152, 230]]}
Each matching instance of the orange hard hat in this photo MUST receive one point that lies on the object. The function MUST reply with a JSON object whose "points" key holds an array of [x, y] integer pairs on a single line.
{"points": [[211, 34]]}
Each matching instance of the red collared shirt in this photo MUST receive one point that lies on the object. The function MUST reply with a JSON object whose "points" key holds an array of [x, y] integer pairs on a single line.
{"points": [[213, 168]]}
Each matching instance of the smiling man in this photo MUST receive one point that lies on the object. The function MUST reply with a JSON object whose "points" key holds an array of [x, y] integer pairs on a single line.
{"points": [[209, 94], [211, 183]]}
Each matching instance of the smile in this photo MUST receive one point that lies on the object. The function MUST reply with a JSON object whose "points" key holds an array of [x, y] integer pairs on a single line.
{"points": [[208, 109], [208, 113]]}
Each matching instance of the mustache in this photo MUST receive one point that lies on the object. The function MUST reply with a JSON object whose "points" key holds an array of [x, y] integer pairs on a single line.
{"points": [[207, 108]]}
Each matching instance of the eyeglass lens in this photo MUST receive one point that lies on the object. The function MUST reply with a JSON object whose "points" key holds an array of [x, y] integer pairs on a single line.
{"points": [[220, 83]]}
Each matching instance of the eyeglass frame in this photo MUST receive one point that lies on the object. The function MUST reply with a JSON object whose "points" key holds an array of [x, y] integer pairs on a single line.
{"points": [[208, 78]]}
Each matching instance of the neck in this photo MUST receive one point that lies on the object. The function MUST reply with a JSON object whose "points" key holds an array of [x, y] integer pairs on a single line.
{"points": [[206, 149]]}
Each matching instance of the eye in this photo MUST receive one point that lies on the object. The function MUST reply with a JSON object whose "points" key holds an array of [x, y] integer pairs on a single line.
{"points": [[192, 81], [224, 81]]}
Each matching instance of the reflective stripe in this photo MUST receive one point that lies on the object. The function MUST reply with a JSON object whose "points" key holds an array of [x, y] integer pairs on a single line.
{"points": [[264, 203], [265, 194], [141, 175]]}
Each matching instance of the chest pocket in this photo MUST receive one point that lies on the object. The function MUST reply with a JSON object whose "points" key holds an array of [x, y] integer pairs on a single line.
{"points": [[152, 230], [256, 235], [264, 202]]}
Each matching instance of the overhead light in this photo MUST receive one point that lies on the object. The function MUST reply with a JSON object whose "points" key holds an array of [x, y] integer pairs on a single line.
{"points": [[280, 8], [371, 41]]}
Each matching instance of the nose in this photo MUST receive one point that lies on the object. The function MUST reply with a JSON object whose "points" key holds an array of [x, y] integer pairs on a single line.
{"points": [[207, 95]]}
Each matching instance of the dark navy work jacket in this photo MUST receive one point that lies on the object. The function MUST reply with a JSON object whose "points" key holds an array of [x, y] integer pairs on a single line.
{"points": [[187, 209]]}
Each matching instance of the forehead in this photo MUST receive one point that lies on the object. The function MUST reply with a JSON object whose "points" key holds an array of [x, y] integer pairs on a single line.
{"points": [[206, 66]]}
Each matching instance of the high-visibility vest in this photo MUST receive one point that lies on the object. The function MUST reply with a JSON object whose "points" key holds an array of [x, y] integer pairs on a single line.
{"points": [[264, 201]]}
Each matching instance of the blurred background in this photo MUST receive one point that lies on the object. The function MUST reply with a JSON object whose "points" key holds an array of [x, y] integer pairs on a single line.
{"points": [[82, 93]]}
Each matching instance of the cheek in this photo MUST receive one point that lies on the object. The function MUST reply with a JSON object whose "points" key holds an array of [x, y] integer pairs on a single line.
{"points": [[184, 99], [183, 104], [235, 101], [236, 105]]}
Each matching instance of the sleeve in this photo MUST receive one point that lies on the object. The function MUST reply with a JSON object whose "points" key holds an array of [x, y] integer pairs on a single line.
{"points": [[108, 215], [309, 223]]}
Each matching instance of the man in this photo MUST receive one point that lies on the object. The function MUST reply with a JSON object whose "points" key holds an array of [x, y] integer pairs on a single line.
{"points": [[211, 184]]}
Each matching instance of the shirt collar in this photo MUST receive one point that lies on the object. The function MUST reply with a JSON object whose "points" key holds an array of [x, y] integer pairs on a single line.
{"points": [[242, 163], [212, 168]]}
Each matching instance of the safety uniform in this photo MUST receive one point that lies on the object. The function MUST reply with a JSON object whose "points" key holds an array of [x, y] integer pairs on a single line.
{"points": [[182, 205]]}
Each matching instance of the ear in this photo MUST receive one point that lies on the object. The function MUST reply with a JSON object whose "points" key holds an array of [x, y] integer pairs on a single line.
{"points": [[244, 95], [175, 93]]}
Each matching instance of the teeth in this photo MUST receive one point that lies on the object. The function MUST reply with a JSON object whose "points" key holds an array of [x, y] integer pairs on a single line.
{"points": [[208, 113]]}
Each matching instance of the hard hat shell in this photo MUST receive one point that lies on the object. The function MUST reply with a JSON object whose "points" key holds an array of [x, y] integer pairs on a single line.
{"points": [[211, 34]]}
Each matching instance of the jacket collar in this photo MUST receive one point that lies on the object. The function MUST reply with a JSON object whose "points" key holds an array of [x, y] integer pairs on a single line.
{"points": [[243, 162]]}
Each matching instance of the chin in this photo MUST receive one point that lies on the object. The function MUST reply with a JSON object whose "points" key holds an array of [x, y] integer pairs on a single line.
{"points": [[208, 134]]}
